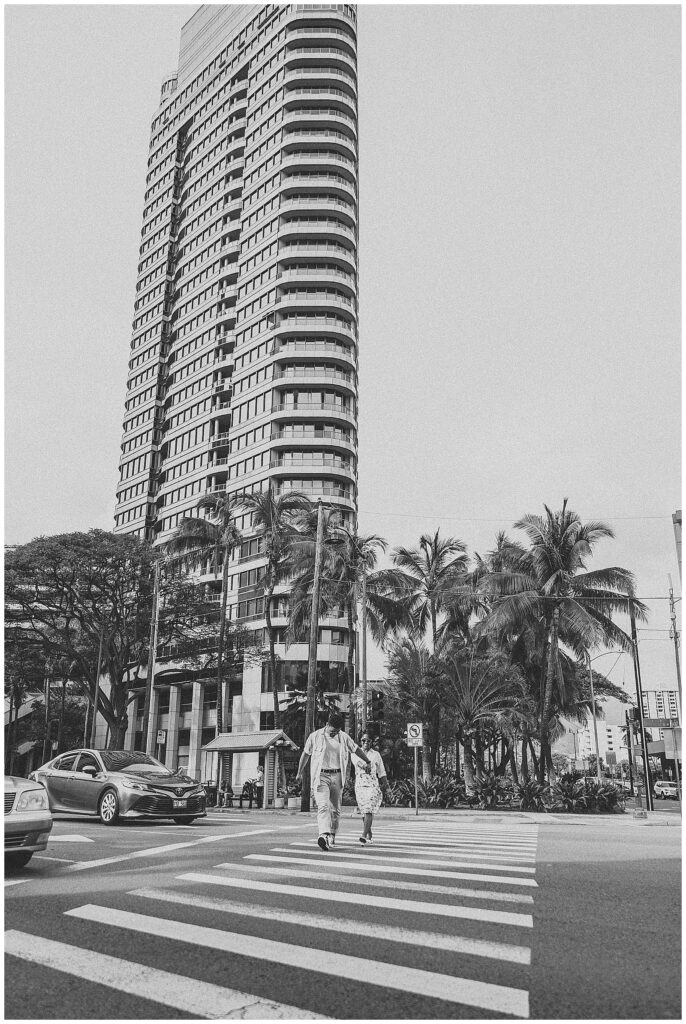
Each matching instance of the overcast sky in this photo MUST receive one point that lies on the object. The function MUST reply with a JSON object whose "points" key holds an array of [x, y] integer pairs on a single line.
{"points": [[519, 270]]}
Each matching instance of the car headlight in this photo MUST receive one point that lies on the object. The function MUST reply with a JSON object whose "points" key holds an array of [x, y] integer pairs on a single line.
{"points": [[33, 800], [135, 785], [198, 791]]}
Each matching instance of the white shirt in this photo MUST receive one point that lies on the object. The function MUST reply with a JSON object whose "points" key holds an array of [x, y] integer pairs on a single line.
{"points": [[378, 771], [315, 746]]}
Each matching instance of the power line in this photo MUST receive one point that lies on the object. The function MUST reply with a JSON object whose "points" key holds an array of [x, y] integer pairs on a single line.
{"points": [[491, 519]]}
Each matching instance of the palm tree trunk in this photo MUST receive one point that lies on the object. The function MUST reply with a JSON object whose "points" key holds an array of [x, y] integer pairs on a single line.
{"points": [[279, 767], [525, 755], [426, 756], [469, 779], [9, 747], [351, 665], [479, 755], [436, 714], [548, 695], [513, 764]]}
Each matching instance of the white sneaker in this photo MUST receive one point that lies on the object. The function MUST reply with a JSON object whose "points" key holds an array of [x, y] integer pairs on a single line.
{"points": [[331, 836]]}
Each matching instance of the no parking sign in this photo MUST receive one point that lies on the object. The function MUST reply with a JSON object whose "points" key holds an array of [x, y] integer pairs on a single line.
{"points": [[414, 734]]}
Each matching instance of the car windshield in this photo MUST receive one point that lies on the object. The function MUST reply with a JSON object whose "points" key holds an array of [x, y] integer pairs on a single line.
{"points": [[132, 761]]}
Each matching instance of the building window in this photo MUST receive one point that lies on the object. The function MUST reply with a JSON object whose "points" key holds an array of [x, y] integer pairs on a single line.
{"points": [[266, 720]]}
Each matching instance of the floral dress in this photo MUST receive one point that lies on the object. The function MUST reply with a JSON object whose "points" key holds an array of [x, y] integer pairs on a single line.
{"points": [[367, 788]]}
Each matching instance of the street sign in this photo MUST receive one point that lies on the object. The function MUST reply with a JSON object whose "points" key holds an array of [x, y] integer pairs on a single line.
{"points": [[611, 757], [414, 734], [661, 723], [161, 735]]}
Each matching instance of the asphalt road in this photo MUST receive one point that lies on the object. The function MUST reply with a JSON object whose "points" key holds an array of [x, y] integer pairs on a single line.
{"points": [[445, 916]]}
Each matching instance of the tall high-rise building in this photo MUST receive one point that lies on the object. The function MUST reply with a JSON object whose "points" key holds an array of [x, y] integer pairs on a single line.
{"points": [[243, 368]]}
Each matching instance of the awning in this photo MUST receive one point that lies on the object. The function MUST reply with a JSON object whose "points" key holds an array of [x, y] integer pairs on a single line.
{"points": [[245, 742]]}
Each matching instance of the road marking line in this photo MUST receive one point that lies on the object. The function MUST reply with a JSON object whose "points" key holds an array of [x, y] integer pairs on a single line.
{"points": [[424, 871], [385, 933], [363, 899], [62, 860], [15, 881], [69, 839], [441, 851], [444, 836], [383, 883], [154, 851], [446, 987], [199, 998], [422, 858]]}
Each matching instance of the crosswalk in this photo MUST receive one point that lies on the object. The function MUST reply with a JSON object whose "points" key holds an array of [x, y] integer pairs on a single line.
{"points": [[434, 919]]}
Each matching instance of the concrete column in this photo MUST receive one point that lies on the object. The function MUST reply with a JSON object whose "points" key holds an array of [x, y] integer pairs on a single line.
{"points": [[172, 748], [130, 738], [150, 744], [196, 730]]}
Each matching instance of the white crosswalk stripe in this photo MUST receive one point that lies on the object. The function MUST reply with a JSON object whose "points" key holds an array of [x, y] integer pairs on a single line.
{"points": [[466, 991], [200, 999], [444, 889]]}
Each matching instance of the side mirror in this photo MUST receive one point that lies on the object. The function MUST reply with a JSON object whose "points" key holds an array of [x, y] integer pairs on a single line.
{"points": [[90, 770]]}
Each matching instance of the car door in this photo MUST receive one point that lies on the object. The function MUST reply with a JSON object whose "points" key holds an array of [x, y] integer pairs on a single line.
{"points": [[56, 780], [84, 789]]}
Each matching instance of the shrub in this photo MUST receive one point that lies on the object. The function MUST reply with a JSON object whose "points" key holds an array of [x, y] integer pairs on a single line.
{"points": [[531, 795], [492, 790], [569, 795]]}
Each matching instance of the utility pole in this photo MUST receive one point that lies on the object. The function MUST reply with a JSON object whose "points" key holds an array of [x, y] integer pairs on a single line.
{"points": [[46, 701], [595, 724], [639, 710], [629, 740], [674, 634], [364, 653], [312, 661], [97, 686], [152, 650]]}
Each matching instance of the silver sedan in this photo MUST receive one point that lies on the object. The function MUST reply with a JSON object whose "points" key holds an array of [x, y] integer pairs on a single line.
{"points": [[119, 784]]}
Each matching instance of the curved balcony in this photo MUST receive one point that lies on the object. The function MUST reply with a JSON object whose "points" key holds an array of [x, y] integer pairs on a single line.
{"points": [[304, 118], [339, 254], [336, 185], [319, 204], [322, 35], [305, 438], [302, 302], [298, 56], [317, 488], [311, 376], [323, 325], [313, 462], [317, 348], [324, 275], [318, 160], [326, 228], [326, 93], [329, 411], [319, 138], [321, 76], [325, 12]]}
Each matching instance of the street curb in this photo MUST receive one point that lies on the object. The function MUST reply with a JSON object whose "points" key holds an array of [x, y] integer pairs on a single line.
{"points": [[443, 815]]}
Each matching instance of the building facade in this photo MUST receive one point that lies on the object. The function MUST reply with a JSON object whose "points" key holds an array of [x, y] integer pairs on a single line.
{"points": [[243, 365]]}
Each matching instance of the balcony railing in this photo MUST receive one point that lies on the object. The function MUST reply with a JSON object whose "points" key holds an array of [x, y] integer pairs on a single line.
{"points": [[293, 248], [314, 323], [314, 371], [321, 298], [309, 407], [289, 347], [323, 433], [305, 462], [292, 273]]}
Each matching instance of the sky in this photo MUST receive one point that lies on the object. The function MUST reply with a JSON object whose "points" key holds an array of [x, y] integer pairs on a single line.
{"points": [[519, 271]]}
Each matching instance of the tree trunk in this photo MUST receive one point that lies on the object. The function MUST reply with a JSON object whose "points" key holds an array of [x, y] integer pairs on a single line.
{"points": [[219, 726], [548, 695], [426, 755], [436, 714], [513, 765], [525, 756], [351, 668], [469, 779], [479, 756], [279, 768], [9, 749]]}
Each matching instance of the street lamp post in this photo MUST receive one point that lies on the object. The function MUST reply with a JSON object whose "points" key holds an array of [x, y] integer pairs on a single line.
{"points": [[595, 724]]}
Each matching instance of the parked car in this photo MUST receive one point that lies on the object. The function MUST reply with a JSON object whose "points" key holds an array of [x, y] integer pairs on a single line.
{"points": [[118, 784], [28, 821], [666, 790]]}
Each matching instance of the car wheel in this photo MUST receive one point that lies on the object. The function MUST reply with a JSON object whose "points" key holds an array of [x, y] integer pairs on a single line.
{"points": [[108, 807], [184, 821], [19, 860]]}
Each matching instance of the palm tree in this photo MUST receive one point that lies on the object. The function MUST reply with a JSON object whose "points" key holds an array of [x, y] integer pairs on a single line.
{"points": [[428, 574], [412, 673], [548, 591], [348, 564], [480, 692], [274, 518], [213, 536]]}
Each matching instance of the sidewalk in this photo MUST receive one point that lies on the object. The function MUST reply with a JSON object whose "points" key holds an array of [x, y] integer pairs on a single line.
{"points": [[427, 814]]}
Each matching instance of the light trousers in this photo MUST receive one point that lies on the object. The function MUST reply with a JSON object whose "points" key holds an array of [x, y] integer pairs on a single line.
{"points": [[328, 797]]}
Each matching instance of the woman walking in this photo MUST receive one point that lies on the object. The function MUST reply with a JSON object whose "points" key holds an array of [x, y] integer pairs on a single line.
{"points": [[368, 786]]}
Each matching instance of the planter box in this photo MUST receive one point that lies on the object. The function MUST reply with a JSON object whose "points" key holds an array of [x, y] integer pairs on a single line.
{"points": [[294, 803], [278, 802]]}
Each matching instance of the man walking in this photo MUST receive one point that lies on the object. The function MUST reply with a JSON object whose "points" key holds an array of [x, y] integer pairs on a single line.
{"points": [[330, 749]]}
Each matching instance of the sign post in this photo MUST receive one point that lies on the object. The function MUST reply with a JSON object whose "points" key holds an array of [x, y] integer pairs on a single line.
{"points": [[415, 732]]}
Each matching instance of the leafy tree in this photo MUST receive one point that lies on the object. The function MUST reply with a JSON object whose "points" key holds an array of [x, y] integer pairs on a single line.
{"points": [[416, 687], [65, 593]]}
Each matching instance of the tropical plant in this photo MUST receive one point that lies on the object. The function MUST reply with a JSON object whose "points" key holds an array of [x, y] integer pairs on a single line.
{"points": [[416, 687], [547, 594], [478, 691], [492, 790], [569, 794], [212, 537], [531, 795]]}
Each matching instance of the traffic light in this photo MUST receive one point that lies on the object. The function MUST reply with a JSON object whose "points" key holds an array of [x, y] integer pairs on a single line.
{"points": [[376, 711], [53, 728]]}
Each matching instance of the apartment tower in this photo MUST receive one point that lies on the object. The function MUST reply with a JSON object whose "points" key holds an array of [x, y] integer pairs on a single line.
{"points": [[243, 368]]}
